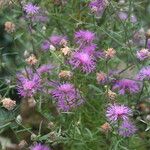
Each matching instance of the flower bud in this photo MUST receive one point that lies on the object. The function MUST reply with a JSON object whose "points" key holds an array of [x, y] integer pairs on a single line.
{"points": [[19, 119], [33, 137], [51, 47], [31, 102], [51, 125], [8, 103]]}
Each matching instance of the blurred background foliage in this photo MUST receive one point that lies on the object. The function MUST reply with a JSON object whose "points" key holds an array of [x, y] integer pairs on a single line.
{"points": [[66, 18]]}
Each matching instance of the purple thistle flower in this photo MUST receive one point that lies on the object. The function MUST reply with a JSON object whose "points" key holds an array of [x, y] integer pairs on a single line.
{"points": [[143, 54], [127, 129], [31, 9], [58, 40], [45, 68], [126, 85], [133, 19], [66, 96], [144, 73], [45, 45], [116, 112], [84, 37], [28, 84], [98, 6], [122, 15], [84, 61], [148, 44], [39, 147], [90, 49]]}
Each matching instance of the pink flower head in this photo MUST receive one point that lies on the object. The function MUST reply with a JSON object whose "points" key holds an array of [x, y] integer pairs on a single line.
{"points": [[144, 73], [45, 45], [118, 112], [126, 86], [58, 40], [123, 15], [40, 147], [46, 68], [84, 61], [31, 9], [66, 96], [143, 54], [28, 84], [127, 129], [84, 37], [98, 6]]}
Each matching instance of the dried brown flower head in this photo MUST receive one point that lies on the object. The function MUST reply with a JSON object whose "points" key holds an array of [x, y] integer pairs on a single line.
{"points": [[9, 27], [31, 60], [65, 74], [8, 103], [101, 77], [105, 128], [65, 50], [112, 95], [110, 53]]}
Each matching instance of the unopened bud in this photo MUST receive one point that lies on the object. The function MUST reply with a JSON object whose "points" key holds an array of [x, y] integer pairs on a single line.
{"points": [[51, 125], [19, 119], [31, 102], [33, 137], [51, 47]]}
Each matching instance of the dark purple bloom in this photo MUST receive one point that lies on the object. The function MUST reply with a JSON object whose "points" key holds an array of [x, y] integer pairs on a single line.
{"points": [[126, 86], [148, 44], [143, 54], [40, 147], [84, 61], [66, 96], [116, 112], [144, 73], [45, 45], [84, 37], [31, 9], [127, 129], [98, 6], [46, 68], [90, 49], [58, 40], [28, 83]]}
